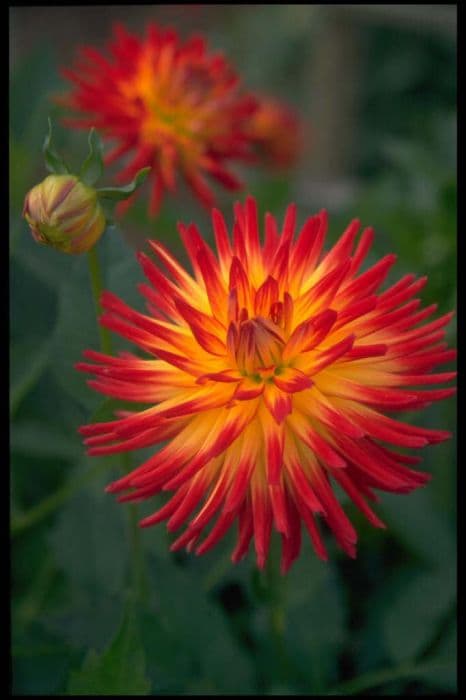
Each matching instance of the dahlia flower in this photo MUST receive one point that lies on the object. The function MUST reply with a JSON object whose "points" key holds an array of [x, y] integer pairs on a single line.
{"points": [[165, 104], [270, 375], [274, 129]]}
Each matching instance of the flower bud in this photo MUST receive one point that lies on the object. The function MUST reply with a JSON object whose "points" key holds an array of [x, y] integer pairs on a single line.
{"points": [[64, 213]]}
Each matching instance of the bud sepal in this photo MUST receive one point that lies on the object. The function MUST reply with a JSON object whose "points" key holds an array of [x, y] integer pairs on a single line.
{"points": [[66, 211], [118, 194]]}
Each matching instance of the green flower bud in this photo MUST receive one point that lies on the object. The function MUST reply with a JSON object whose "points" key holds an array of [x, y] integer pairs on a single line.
{"points": [[64, 213]]}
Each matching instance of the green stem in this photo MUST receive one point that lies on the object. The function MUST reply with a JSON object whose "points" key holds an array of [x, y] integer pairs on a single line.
{"points": [[95, 273], [137, 566], [275, 590], [138, 573], [376, 678]]}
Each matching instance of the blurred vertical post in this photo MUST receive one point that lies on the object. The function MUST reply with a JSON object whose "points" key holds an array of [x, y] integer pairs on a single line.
{"points": [[333, 87], [335, 72], [333, 97]]}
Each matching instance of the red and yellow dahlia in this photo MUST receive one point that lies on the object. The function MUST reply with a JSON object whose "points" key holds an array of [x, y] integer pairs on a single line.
{"points": [[165, 104], [272, 371]]}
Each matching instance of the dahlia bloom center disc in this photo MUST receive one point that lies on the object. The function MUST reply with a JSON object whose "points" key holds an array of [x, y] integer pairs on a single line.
{"points": [[270, 375]]}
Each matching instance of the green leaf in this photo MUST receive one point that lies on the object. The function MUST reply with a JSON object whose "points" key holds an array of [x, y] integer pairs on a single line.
{"points": [[39, 264], [32, 80], [421, 528], [54, 163], [39, 438], [19, 164], [315, 626], [40, 662], [77, 326], [76, 329], [119, 670], [89, 539], [430, 668], [189, 639], [123, 277], [117, 194], [445, 678], [93, 166], [314, 632], [26, 370], [412, 618], [74, 620]]}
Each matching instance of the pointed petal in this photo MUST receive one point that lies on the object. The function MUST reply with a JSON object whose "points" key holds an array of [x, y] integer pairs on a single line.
{"points": [[279, 509], [265, 296], [206, 329], [262, 517], [274, 438], [291, 380], [309, 333], [248, 389], [222, 241], [240, 282], [278, 402]]}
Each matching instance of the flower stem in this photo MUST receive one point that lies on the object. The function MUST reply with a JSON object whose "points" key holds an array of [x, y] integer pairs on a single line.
{"points": [[137, 561], [275, 584], [97, 288], [138, 573]]}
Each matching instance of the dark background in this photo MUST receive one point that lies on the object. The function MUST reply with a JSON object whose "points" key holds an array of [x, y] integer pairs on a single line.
{"points": [[375, 87]]}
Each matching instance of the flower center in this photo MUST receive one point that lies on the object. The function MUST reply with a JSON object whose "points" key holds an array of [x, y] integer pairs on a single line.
{"points": [[258, 347], [173, 100]]}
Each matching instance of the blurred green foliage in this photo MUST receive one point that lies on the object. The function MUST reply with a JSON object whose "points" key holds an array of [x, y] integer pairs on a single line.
{"points": [[385, 622]]}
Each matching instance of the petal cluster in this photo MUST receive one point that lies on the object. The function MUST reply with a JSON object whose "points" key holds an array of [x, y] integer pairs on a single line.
{"points": [[167, 104], [271, 373]]}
